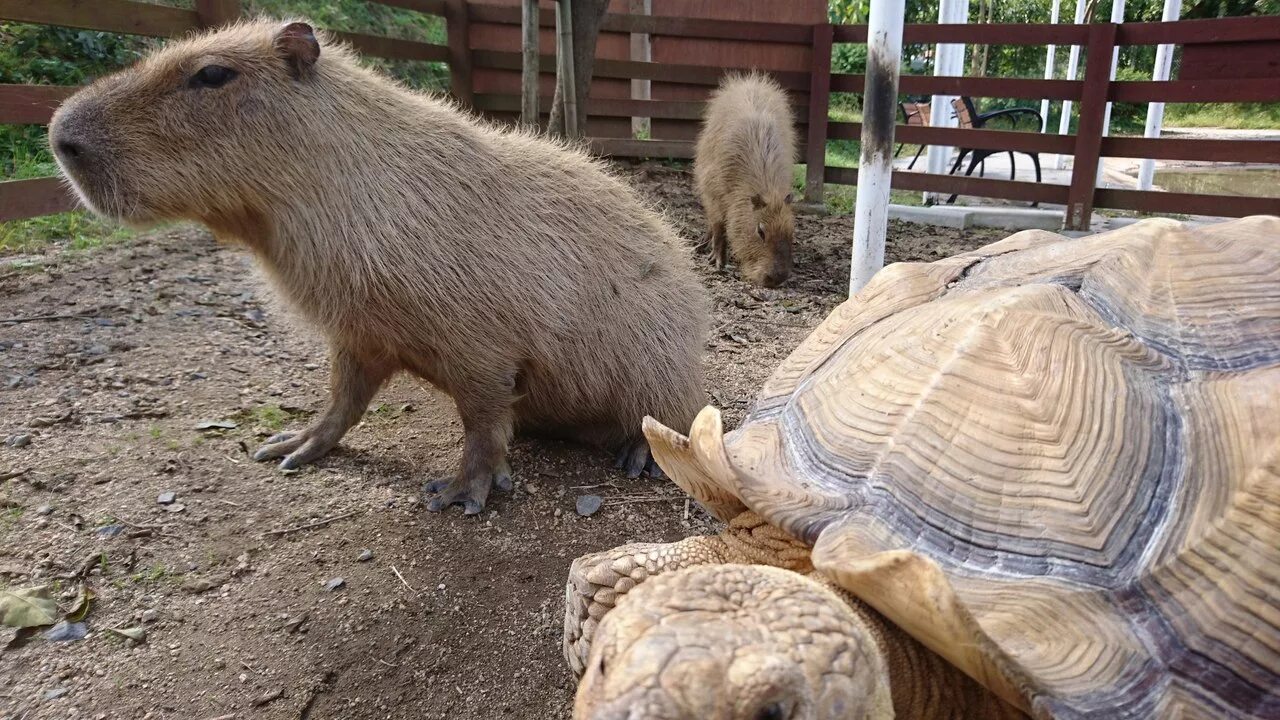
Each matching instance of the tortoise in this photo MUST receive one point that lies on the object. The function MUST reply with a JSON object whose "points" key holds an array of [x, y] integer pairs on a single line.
{"points": [[1041, 478]]}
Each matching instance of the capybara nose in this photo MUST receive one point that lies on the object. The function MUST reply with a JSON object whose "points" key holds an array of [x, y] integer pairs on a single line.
{"points": [[775, 278], [68, 151]]}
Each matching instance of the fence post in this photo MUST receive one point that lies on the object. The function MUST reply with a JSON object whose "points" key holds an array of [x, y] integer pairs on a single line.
{"points": [[819, 107], [216, 13], [1093, 108], [458, 28]]}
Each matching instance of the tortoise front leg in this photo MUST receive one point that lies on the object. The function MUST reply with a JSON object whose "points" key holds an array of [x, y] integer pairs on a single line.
{"points": [[596, 581]]}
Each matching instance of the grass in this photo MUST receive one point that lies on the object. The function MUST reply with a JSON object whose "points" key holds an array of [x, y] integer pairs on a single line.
{"points": [[1241, 116]]}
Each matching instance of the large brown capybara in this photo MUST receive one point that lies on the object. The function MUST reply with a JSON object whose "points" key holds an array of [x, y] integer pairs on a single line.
{"points": [[743, 171], [514, 274]]}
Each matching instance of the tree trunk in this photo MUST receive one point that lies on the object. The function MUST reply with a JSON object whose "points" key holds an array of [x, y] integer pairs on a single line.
{"points": [[587, 17]]}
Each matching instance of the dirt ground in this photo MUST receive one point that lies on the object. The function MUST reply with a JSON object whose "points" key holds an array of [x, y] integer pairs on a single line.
{"points": [[452, 617]]}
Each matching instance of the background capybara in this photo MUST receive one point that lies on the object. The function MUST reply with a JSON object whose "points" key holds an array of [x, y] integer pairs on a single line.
{"points": [[513, 273], [742, 168]]}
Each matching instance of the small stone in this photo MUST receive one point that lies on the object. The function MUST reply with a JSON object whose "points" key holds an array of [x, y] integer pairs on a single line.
{"points": [[197, 585], [110, 531], [440, 586], [56, 693], [66, 632], [175, 508], [365, 555], [294, 623], [18, 441], [531, 488], [167, 498], [334, 584], [150, 615], [588, 505], [44, 510]]}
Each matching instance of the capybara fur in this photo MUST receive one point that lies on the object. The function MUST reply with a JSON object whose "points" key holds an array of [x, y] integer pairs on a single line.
{"points": [[742, 168], [513, 273]]}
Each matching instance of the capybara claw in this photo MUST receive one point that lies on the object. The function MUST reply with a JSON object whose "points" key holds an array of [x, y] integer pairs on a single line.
{"points": [[295, 448], [470, 493], [634, 460]]}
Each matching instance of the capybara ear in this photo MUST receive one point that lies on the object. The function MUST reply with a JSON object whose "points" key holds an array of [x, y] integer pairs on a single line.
{"points": [[297, 44], [790, 198]]}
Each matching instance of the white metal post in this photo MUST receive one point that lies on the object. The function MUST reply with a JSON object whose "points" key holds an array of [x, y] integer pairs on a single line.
{"points": [[1048, 68], [1117, 16], [1073, 66], [879, 112], [1155, 110], [948, 61]]}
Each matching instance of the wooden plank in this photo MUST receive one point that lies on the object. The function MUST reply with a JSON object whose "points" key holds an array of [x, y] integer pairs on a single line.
{"points": [[960, 185], [426, 7], [819, 110], [1238, 29], [608, 107], [393, 48], [627, 147], [1234, 60], [22, 199], [997, 34], [458, 29], [966, 138], [31, 104], [122, 16], [631, 70], [216, 13], [1093, 103], [1166, 148], [850, 33], [1183, 203], [662, 25], [971, 86], [1182, 91]]}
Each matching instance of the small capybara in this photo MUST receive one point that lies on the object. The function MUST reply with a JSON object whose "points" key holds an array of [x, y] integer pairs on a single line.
{"points": [[742, 168], [511, 272]]}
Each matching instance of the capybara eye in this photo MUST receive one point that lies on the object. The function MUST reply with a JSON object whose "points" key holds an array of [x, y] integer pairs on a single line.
{"points": [[212, 76], [760, 230]]}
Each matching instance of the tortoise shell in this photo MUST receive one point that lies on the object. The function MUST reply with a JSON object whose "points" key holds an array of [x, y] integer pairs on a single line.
{"points": [[1054, 462]]}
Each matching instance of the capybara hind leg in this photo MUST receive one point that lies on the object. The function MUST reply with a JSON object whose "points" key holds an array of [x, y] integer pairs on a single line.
{"points": [[634, 459], [354, 382], [486, 424]]}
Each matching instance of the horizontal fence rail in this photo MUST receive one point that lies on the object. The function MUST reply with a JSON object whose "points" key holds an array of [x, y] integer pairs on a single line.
{"points": [[484, 59]]}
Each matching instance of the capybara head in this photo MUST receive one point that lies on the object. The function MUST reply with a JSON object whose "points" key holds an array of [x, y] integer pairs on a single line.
{"points": [[204, 129], [761, 239]]}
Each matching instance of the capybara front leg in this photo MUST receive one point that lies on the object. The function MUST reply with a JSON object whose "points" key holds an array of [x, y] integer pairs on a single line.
{"points": [[486, 424], [719, 246], [354, 381]]}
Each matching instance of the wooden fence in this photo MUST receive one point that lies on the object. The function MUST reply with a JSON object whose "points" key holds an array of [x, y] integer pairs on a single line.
{"points": [[1243, 52], [1227, 60]]}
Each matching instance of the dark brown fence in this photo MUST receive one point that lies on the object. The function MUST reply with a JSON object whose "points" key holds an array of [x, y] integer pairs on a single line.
{"points": [[1252, 45], [1228, 60]]}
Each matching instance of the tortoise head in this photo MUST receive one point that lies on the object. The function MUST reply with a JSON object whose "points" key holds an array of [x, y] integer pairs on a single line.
{"points": [[733, 642]]}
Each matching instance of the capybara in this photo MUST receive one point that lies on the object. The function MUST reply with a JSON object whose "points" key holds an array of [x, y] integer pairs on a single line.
{"points": [[511, 272], [742, 168]]}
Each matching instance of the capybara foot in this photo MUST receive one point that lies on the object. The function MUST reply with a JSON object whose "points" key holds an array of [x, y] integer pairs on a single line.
{"points": [[297, 448], [469, 491], [634, 459]]}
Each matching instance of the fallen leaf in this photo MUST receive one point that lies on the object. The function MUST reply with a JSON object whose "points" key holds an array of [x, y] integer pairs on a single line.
{"points": [[28, 607], [216, 425], [136, 634], [80, 607]]}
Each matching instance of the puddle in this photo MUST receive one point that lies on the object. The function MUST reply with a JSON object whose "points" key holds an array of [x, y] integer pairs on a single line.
{"points": [[1249, 182]]}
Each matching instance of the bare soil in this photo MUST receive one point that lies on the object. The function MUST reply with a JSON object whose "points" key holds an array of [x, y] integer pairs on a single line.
{"points": [[452, 617]]}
